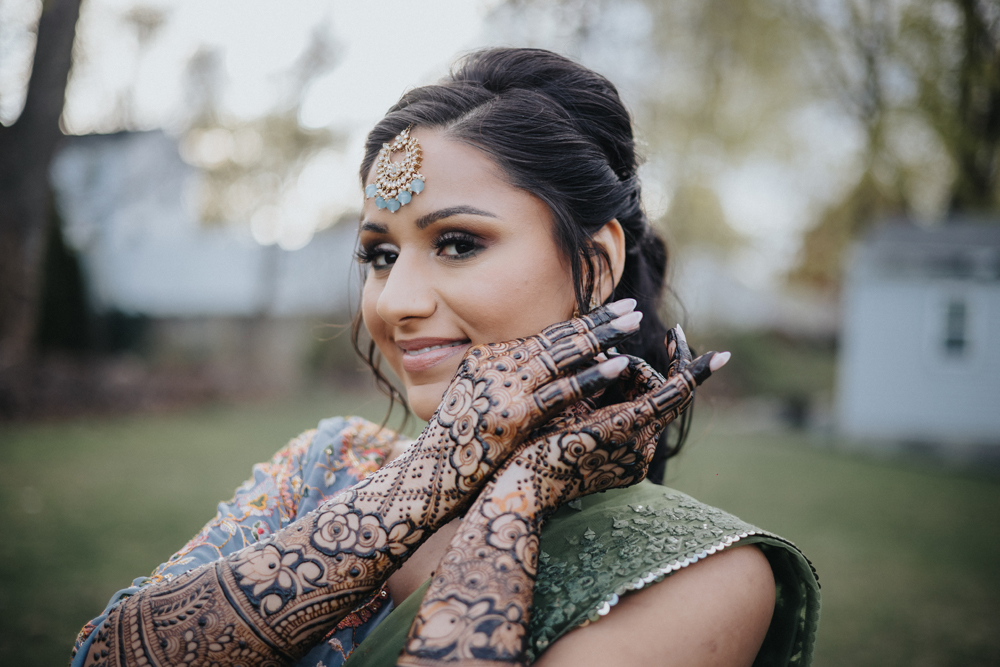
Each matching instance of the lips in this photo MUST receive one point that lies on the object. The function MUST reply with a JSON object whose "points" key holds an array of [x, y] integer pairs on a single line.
{"points": [[420, 354]]}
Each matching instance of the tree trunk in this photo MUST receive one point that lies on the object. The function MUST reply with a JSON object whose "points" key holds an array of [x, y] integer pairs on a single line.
{"points": [[26, 151]]}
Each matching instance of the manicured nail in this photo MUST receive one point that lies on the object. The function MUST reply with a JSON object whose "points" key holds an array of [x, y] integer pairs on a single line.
{"points": [[719, 360], [628, 322], [622, 307], [613, 368]]}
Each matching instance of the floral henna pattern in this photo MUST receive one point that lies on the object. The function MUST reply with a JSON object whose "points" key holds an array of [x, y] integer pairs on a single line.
{"points": [[478, 605], [270, 603], [475, 610], [501, 392], [270, 578]]}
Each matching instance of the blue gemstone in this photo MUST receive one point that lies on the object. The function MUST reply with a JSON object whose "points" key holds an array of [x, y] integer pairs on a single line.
{"points": [[370, 191], [417, 185], [392, 204], [404, 197], [379, 202]]}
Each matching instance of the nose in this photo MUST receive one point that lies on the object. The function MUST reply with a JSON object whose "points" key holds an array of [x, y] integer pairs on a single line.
{"points": [[407, 293]]}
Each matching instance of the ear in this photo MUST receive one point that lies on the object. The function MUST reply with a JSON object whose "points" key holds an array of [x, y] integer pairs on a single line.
{"points": [[610, 237]]}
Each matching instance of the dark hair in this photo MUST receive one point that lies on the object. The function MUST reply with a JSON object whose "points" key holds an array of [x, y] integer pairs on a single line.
{"points": [[560, 132]]}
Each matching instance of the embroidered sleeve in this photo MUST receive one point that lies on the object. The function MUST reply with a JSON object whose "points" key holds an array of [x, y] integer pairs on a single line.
{"points": [[310, 468]]}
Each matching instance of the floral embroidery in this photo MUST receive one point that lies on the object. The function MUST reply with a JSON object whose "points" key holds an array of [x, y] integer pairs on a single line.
{"points": [[259, 530], [363, 450]]}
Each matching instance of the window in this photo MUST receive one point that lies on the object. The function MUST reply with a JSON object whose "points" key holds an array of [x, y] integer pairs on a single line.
{"points": [[955, 328]]}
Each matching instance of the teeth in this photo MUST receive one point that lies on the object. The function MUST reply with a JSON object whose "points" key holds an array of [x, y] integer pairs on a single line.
{"points": [[413, 353]]}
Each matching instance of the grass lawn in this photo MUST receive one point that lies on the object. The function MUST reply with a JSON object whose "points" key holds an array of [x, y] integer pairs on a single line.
{"points": [[909, 557]]}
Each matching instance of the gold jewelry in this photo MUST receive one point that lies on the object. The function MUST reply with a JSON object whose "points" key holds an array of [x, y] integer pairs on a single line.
{"points": [[594, 305], [397, 182]]}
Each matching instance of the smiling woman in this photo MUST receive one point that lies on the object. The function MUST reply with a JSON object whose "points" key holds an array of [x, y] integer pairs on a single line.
{"points": [[512, 284], [471, 260]]}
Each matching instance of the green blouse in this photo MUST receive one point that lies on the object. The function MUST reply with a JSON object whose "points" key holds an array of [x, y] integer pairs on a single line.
{"points": [[599, 548]]}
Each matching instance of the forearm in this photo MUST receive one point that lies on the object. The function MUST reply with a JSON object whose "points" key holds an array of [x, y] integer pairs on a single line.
{"points": [[273, 601], [477, 607]]}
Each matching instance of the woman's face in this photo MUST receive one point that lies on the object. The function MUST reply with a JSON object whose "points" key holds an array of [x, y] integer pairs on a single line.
{"points": [[469, 260]]}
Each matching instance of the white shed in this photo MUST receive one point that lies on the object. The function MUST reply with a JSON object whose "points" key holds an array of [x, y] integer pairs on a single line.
{"points": [[920, 345]]}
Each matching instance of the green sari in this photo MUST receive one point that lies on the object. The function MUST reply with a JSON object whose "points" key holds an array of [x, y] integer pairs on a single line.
{"points": [[597, 549]]}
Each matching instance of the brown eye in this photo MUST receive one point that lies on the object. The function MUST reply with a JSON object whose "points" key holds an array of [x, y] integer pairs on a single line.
{"points": [[458, 248], [381, 256], [384, 259], [458, 245]]}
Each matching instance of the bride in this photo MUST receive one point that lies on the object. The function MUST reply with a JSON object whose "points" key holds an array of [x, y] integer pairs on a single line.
{"points": [[512, 285]]}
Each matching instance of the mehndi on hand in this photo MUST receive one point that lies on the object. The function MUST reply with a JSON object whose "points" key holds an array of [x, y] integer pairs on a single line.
{"points": [[270, 603], [476, 609]]}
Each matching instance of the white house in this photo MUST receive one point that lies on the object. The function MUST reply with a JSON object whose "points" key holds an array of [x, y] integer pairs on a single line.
{"points": [[920, 346], [210, 294], [126, 201]]}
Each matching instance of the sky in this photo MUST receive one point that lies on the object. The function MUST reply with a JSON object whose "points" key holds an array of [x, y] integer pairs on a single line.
{"points": [[378, 54]]}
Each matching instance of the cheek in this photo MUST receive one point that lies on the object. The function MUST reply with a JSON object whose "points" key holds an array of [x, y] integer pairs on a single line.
{"points": [[516, 295]]}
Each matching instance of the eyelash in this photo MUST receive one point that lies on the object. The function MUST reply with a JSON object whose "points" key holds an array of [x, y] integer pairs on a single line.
{"points": [[456, 238], [369, 254]]}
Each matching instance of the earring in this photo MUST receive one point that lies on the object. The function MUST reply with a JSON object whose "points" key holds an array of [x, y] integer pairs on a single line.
{"points": [[592, 306]]}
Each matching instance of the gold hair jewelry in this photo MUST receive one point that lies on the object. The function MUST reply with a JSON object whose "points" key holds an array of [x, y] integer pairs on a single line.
{"points": [[397, 182]]}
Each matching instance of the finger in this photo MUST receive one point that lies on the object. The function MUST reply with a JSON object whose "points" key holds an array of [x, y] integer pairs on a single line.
{"points": [[578, 350], [588, 322], [557, 395], [681, 354], [638, 379], [669, 401]]}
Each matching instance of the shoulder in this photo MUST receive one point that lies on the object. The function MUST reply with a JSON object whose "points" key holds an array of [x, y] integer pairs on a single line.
{"points": [[651, 543], [714, 613], [338, 453]]}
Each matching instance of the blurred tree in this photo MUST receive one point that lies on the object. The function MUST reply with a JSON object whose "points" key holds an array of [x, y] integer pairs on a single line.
{"points": [[695, 218], [247, 165], [923, 81], [711, 83], [718, 81], [26, 150]]}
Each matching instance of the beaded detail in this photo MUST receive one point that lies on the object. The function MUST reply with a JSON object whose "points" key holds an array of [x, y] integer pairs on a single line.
{"points": [[397, 182], [666, 533]]}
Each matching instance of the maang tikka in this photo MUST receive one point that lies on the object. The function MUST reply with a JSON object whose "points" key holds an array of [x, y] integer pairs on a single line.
{"points": [[397, 182]]}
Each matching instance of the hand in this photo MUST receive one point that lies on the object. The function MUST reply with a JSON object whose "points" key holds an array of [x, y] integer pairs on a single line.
{"points": [[500, 393], [270, 603], [477, 606]]}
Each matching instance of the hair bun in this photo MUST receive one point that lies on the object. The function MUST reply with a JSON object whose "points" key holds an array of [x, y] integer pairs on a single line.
{"points": [[588, 100]]}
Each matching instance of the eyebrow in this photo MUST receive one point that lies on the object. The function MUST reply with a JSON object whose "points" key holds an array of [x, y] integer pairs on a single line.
{"points": [[427, 220]]}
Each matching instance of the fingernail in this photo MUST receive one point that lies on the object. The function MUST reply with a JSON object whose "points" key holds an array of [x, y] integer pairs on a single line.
{"points": [[628, 322], [622, 307], [719, 360], [613, 368], [680, 330]]}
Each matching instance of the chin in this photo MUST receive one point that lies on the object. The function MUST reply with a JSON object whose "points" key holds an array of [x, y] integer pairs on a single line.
{"points": [[424, 399]]}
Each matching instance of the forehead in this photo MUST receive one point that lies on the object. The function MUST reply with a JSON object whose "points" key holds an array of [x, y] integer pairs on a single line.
{"points": [[457, 174]]}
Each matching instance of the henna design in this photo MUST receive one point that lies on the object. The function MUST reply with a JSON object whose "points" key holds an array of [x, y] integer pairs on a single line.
{"points": [[270, 603], [477, 607]]}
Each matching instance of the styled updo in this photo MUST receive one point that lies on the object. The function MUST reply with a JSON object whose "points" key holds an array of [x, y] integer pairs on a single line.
{"points": [[560, 132]]}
